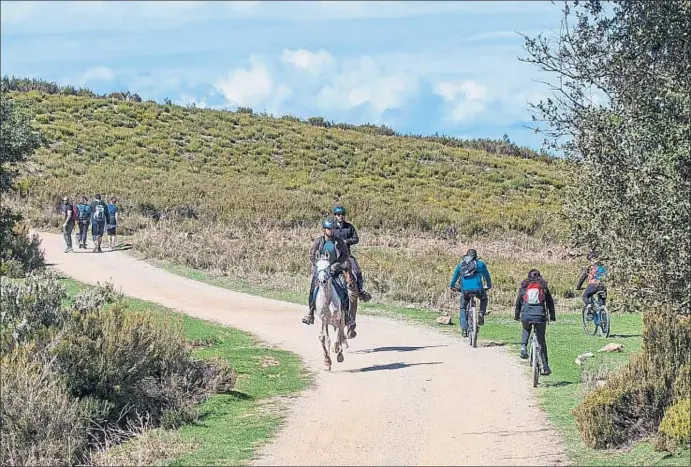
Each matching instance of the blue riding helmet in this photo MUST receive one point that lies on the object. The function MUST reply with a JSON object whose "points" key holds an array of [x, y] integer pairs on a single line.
{"points": [[339, 210], [328, 224]]}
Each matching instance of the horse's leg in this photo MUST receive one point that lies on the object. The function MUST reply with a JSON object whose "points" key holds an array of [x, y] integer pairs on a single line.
{"points": [[327, 345], [322, 338]]}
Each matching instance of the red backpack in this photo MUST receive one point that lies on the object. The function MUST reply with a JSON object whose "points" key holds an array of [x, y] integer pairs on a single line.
{"points": [[534, 293], [75, 213]]}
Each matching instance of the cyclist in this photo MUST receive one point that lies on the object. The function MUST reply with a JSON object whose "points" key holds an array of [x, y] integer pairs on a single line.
{"points": [[533, 303], [594, 273], [471, 271]]}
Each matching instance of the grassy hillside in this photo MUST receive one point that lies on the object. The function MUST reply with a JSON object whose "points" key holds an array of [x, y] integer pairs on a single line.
{"points": [[242, 194]]}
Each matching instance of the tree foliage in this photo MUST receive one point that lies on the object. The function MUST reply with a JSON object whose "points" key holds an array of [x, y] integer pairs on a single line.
{"points": [[622, 96], [17, 142]]}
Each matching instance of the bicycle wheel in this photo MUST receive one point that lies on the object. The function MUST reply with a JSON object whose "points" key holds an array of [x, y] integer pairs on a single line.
{"points": [[534, 359], [604, 321], [476, 328], [471, 325], [588, 321]]}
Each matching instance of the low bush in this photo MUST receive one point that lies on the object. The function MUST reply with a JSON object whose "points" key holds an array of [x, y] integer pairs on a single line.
{"points": [[20, 253], [675, 428], [633, 402], [40, 423], [30, 307], [75, 378]]}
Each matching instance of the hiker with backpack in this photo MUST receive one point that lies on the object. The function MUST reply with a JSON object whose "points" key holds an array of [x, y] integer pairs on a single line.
{"points": [[595, 274], [83, 219], [112, 226], [533, 304], [68, 222], [471, 271], [99, 219]]}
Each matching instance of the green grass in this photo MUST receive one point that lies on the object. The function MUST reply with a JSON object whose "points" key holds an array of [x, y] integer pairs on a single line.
{"points": [[231, 426], [558, 394]]}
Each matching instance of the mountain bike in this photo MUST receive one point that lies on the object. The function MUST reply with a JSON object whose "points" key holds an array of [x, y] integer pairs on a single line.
{"points": [[471, 313], [599, 319], [535, 356]]}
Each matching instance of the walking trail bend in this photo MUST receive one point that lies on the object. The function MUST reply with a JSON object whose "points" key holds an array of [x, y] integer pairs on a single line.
{"points": [[405, 395]]}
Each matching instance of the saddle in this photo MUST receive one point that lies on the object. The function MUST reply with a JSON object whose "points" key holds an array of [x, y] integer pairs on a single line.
{"points": [[341, 290]]}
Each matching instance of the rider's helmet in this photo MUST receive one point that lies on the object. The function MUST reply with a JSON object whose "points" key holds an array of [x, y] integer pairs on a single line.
{"points": [[328, 224], [593, 255], [339, 210], [471, 253], [534, 274]]}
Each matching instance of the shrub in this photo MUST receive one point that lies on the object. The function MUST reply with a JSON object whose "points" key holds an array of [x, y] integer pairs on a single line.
{"points": [[20, 253], [633, 402], [675, 428], [29, 307], [137, 363], [93, 299], [40, 424]]}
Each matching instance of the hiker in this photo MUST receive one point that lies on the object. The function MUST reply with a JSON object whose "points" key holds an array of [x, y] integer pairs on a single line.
{"points": [[471, 271], [99, 219], [533, 303], [68, 222], [113, 223], [83, 219]]}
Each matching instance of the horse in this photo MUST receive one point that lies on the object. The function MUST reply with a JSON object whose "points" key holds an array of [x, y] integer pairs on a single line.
{"points": [[329, 312]]}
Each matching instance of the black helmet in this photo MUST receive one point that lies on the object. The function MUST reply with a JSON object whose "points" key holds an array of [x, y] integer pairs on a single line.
{"points": [[339, 210], [534, 274]]}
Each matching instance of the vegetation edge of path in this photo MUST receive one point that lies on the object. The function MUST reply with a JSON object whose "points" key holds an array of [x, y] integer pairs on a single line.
{"points": [[232, 426], [560, 393]]}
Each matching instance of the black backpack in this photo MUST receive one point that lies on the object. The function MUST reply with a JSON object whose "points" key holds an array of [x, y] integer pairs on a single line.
{"points": [[468, 266]]}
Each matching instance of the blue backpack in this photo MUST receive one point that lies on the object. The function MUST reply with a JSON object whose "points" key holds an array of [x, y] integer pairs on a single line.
{"points": [[84, 212]]}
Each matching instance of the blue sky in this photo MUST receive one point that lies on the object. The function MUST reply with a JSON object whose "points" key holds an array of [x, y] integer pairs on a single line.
{"points": [[419, 67]]}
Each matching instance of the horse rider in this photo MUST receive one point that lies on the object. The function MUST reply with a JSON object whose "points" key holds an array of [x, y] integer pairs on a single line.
{"points": [[346, 231], [337, 252]]}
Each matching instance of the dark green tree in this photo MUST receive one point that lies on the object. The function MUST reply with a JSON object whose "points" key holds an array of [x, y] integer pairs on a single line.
{"points": [[621, 97], [620, 111], [19, 254]]}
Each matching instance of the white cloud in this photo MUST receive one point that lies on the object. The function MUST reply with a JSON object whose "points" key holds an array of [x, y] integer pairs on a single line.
{"points": [[315, 63], [247, 87], [467, 99], [98, 73], [253, 87], [365, 83], [472, 91]]}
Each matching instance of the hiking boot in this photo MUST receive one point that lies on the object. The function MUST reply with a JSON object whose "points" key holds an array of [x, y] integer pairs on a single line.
{"points": [[309, 318], [99, 250], [365, 296], [464, 332], [524, 351], [546, 371], [68, 249]]}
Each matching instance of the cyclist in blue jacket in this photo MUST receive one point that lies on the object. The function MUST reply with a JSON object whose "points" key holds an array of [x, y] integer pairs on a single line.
{"points": [[471, 271]]}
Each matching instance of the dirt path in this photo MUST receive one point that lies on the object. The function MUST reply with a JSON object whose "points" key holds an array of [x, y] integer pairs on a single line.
{"points": [[404, 395]]}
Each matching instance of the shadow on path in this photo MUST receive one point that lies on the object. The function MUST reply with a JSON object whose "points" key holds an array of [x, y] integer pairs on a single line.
{"points": [[389, 366]]}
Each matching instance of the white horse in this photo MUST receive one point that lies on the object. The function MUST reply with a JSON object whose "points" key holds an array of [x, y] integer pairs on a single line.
{"points": [[329, 312]]}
